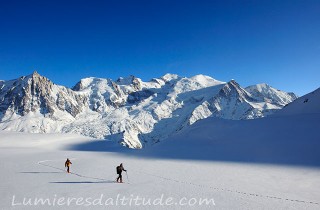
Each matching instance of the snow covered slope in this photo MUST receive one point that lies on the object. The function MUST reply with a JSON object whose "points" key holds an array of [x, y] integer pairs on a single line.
{"points": [[307, 104], [32, 168], [289, 137], [128, 110]]}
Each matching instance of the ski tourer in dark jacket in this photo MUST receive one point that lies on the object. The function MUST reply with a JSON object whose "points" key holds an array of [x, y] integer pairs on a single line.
{"points": [[119, 171]]}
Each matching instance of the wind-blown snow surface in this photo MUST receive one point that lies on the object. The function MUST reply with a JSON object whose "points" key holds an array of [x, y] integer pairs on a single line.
{"points": [[36, 171], [128, 110]]}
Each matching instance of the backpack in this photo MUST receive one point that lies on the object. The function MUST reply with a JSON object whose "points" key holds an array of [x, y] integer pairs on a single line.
{"points": [[118, 169]]}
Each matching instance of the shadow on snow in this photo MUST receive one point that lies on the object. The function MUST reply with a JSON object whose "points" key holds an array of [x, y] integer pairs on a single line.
{"points": [[83, 182], [290, 140], [40, 172]]}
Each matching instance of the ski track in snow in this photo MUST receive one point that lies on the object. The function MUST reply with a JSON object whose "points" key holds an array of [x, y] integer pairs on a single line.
{"points": [[183, 182], [61, 169], [232, 191]]}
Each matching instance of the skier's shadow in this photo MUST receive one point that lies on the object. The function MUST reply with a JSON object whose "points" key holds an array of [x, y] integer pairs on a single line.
{"points": [[39, 172], [84, 182]]}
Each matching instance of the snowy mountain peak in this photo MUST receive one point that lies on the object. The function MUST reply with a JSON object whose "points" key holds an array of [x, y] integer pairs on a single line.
{"points": [[89, 81], [205, 80], [132, 112], [168, 77], [201, 77], [263, 85], [266, 92]]}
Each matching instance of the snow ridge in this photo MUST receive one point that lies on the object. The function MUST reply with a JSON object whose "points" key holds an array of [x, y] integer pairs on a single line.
{"points": [[130, 111]]}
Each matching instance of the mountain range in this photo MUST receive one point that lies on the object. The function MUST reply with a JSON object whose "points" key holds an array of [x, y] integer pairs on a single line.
{"points": [[128, 110]]}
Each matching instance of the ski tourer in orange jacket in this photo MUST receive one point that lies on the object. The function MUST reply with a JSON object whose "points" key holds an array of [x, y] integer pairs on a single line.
{"points": [[67, 164]]}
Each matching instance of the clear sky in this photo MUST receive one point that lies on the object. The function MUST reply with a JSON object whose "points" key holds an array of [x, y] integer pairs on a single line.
{"points": [[276, 42]]}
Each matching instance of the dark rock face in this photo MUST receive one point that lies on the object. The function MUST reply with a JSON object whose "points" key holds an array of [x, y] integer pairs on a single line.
{"points": [[35, 92]]}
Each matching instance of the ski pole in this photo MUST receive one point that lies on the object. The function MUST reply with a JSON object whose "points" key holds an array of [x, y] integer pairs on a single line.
{"points": [[127, 177]]}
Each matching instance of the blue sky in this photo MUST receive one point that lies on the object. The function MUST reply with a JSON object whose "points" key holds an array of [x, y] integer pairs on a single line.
{"points": [[276, 42]]}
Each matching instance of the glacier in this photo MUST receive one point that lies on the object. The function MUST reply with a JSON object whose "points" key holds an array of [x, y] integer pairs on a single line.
{"points": [[132, 112]]}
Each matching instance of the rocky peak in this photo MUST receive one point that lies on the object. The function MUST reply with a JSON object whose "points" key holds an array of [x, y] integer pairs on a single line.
{"points": [[125, 80], [27, 94], [34, 93], [41, 84], [78, 86], [35, 74], [232, 88]]}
